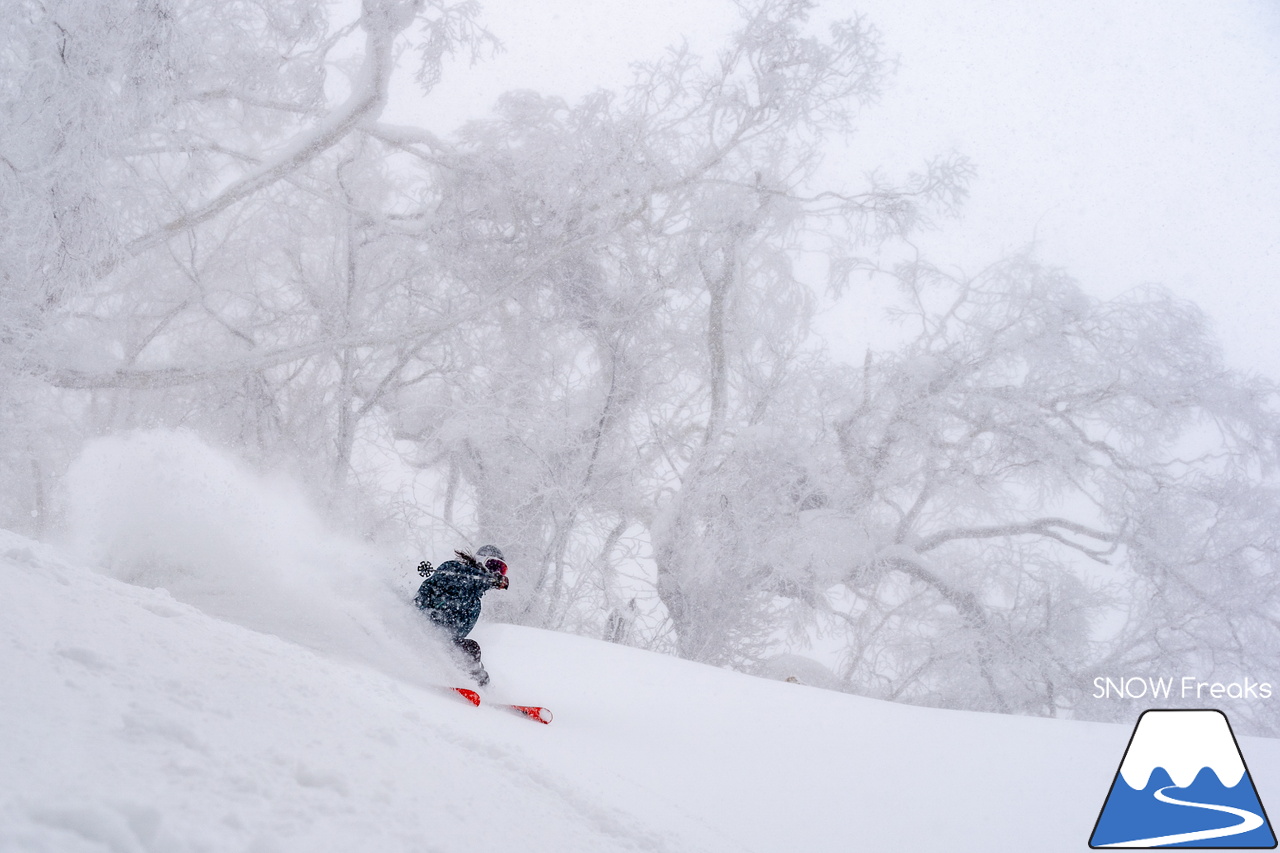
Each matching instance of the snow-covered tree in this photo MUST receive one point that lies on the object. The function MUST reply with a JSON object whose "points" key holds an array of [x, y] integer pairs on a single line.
{"points": [[159, 160], [1035, 469], [640, 247]]}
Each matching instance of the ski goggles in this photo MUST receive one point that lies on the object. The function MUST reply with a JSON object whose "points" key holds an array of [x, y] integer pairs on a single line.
{"points": [[493, 564]]}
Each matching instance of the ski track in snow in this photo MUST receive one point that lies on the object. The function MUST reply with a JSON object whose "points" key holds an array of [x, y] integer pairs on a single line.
{"points": [[1248, 822]]}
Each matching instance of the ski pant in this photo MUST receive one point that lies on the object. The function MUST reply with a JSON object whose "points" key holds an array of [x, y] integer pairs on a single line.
{"points": [[469, 652], [469, 648]]}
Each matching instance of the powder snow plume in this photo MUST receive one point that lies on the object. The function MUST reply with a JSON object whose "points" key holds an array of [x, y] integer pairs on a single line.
{"points": [[163, 509]]}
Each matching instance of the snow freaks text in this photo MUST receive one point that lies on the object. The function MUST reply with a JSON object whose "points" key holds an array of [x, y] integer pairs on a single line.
{"points": [[1187, 687]]}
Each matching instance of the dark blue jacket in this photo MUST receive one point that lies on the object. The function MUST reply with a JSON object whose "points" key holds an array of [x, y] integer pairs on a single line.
{"points": [[451, 595]]}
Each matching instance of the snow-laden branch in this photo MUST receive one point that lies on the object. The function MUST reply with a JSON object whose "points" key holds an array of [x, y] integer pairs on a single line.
{"points": [[133, 378], [1048, 527], [910, 563], [382, 22]]}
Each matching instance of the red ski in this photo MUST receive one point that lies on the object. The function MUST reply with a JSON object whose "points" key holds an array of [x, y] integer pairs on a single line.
{"points": [[533, 712]]}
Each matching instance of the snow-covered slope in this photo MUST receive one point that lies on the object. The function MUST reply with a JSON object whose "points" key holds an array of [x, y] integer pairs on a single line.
{"points": [[135, 722]]}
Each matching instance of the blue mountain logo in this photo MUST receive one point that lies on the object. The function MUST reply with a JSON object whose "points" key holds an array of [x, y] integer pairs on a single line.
{"points": [[1183, 783]]}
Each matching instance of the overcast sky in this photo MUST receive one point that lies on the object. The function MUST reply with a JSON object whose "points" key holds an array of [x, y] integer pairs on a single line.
{"points": [[1135, 142]]}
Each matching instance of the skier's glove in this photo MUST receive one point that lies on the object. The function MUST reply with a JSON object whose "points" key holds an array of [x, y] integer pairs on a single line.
{"points": [[503, 583], [425, 569]]}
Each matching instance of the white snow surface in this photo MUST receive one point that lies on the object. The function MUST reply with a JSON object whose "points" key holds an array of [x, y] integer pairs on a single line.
{"points": [[208, 667], [136, 722], [1183, 743]]}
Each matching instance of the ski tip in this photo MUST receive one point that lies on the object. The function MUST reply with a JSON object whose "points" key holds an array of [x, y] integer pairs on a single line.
{"points": [[470, 695], [542, 715]]}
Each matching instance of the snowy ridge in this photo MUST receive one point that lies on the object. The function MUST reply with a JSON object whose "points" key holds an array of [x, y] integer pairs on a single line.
{"points": [[1183, 743]]}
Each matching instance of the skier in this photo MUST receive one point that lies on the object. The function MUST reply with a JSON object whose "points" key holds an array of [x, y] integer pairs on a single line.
{"points": [[450, 596]]}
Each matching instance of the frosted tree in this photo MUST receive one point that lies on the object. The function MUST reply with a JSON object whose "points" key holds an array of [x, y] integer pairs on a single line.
{"points": [[1032, 467], [531, 422], [155, 156], [633, 243], [752, 129]]}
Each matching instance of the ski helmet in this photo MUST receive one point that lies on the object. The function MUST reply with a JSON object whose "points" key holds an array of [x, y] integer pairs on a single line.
{"points": [[491, 556]]}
